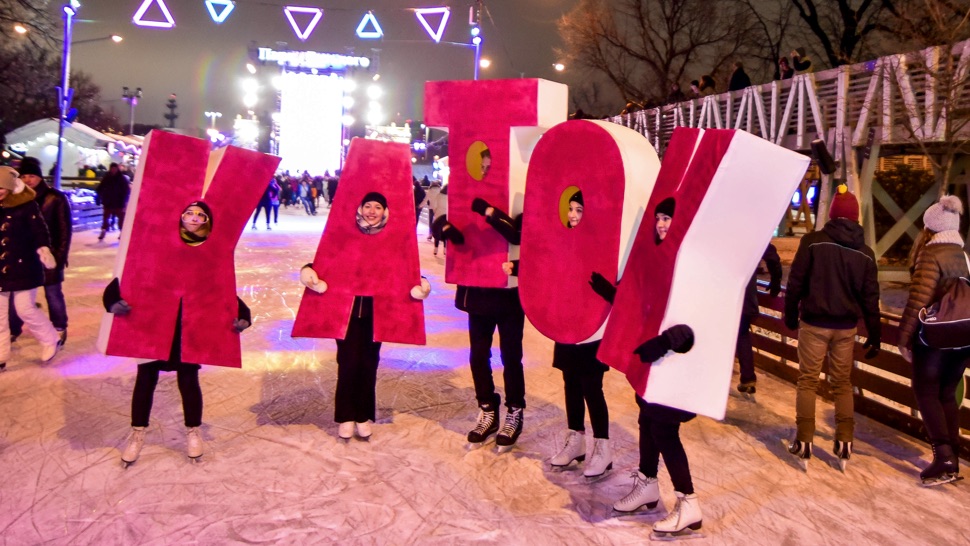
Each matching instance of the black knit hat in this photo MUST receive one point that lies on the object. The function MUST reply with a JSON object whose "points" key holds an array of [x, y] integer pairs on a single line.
{"points": [[577, 198], [30, 165], [666, 207], [374, 196]]}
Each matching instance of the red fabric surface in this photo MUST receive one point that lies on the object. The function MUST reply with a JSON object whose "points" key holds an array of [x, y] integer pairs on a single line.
{"points": [[483, 110], [383, 265], [556, 261], [159, 270], [641, 298]]}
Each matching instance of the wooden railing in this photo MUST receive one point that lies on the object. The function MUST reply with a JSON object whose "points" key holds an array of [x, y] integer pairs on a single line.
{"points": [[881, 386]]}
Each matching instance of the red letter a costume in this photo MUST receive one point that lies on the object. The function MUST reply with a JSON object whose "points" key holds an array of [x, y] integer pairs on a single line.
{"points": [[158, 271]]}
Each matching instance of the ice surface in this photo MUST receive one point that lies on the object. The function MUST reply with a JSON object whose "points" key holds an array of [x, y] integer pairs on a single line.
{"points": [[274, 471]]}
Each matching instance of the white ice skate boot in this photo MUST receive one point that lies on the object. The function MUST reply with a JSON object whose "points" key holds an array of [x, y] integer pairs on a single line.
{"points": [[682, 521], [135, 442], [346, 430], [645, 492], [364, 430], [47, 352], [601, 460], [574, 450], [193, 445]]}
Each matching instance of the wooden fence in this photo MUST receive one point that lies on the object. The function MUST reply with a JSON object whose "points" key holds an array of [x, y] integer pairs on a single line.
{"points": [[881, 386]]}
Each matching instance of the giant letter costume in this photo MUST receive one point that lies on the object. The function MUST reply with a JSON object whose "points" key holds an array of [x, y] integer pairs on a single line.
{"points": [[383, 265], [509, 116], [615, 168], [730, 187], [158, 272]]}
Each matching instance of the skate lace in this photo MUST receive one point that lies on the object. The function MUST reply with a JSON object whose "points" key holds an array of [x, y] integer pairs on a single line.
{"points": [[638, 486], [572, 440], [485, 420], [512, 422], [673, 516]]}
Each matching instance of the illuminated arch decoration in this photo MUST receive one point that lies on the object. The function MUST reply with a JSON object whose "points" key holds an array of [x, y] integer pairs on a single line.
{"points": [[376, 30], [139, 20], [219, 17], [445, 13], [315, 13]]}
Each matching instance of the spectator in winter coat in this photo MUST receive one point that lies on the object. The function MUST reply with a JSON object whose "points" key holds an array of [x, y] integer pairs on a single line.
{"points": [[25, 254], [800, 62], [113, 193], [707, 86], [785, 71], [194, 228], [831, 285], [430, 200], [441, 219], [264, 205], [938, 263], [419, 195], [56, 210], [749, 311], [739, 79], [675, 95]]}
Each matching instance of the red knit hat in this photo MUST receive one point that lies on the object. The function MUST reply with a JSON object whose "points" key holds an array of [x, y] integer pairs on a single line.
{"points": [[844, 205]]}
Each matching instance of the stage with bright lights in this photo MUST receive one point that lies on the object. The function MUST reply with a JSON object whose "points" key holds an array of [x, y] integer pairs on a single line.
{"points": [[274, 471]]}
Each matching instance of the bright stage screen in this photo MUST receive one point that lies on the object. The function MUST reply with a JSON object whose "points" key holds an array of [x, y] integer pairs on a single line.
{"points": [[310, 130]]}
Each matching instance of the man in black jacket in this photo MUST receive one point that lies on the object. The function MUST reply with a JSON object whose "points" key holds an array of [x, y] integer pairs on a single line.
{"points": [[113, 192], [832, 284], [56, 210]]}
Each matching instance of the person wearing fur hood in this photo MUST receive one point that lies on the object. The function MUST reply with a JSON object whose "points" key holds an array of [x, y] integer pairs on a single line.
{"points": [[24, 254], [938, 261]]}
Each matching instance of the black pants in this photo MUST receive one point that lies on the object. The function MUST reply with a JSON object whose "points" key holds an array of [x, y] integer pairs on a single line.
{"points": [[481, 328], [357, 359], [662, 437], [585, 389], [265, 208], [107, 213], [936, 374], [144, 393], [745, 351]]}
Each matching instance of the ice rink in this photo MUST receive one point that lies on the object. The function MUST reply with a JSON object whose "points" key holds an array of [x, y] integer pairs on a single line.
{"points": [[274, 471]]}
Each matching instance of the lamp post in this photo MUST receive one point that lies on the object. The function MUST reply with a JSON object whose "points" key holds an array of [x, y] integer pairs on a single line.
{"points": [[132, 98], [64, 93], [213, 116], [114, 38]]}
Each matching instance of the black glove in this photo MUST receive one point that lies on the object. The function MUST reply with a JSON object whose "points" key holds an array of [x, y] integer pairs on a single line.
{"points": [[120, 307], [602, 287], [240, 324], [452, 234], [680, 337], [774, 288], [872, 344], [480, 205], [791, 321], [652, 349]]}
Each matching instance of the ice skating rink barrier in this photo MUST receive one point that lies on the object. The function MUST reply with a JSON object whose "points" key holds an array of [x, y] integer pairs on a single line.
{"points": [[882, 388]]}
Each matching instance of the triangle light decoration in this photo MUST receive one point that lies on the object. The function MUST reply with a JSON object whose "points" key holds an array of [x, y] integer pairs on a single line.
{"points": [[445, 12], [376, 30], [139, 20], [219, 17], [317, 14]]}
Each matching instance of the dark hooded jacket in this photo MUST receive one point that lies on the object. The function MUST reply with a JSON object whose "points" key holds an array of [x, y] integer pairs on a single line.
{"points": [[22, 232], [56, 210], [833, 279]]}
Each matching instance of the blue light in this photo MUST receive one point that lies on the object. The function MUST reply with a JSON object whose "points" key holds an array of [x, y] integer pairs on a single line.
{"points": [[476, 31], [477, 40], [227, 7], [374, 33]]}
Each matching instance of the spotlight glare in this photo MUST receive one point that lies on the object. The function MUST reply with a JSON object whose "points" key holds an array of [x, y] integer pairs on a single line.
{"points": [[374, 92]]}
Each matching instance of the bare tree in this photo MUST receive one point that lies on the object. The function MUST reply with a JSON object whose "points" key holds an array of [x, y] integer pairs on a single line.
{"points": [[33, 16], [643, 46], [842, 27], [772, 20], [940, 127]]}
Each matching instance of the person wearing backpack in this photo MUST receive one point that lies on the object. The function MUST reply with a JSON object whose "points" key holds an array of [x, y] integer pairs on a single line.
{"points": [[938, 262]]}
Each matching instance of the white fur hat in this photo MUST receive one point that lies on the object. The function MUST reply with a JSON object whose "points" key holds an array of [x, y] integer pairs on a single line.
{"points": [[10, 180], [944, 215]]}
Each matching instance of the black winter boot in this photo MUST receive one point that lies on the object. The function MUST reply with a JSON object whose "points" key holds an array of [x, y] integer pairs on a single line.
{"points": [[944, 468]]}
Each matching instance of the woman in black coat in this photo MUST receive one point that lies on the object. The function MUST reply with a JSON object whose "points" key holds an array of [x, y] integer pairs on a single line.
{"points": [[24, 255]]}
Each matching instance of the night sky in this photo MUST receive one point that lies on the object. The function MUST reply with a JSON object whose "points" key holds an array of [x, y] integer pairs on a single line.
{"points": [[203, 62]]}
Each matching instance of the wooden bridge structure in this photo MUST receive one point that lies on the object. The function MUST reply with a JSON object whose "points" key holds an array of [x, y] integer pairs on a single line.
{"points": [[885, 106]]}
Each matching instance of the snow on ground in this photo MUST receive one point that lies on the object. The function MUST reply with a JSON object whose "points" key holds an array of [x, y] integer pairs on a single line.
{"points": [[275, 473]]}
